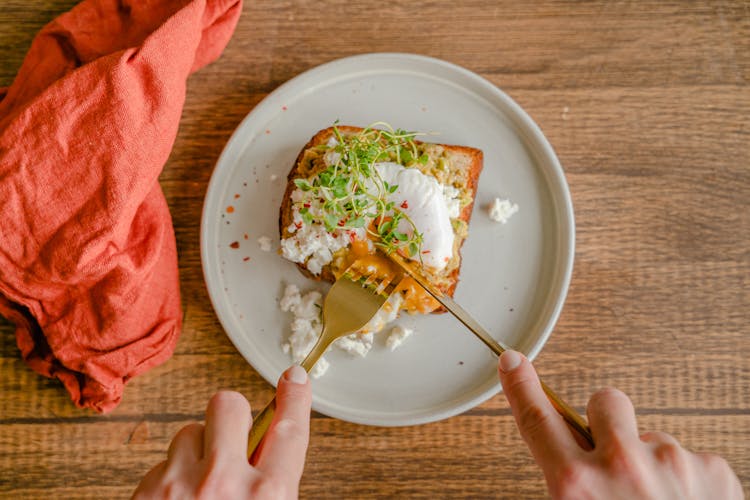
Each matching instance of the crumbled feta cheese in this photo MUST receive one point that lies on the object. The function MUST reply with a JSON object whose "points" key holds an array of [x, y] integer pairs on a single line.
{"points": [[290, 299], [265, 243], [297, 195], [311, 244], [307, 326], [320, 368], [331, 158], [500, 210], [398, 335], [358, 344], [309, 306]]}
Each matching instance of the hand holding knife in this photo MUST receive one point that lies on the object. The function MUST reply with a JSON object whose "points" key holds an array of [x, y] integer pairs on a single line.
{"points": [[574, 420]]}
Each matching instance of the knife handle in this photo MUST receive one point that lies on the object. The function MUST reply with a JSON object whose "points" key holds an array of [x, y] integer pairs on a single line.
{"points": [[571, 417], [261, 423]]}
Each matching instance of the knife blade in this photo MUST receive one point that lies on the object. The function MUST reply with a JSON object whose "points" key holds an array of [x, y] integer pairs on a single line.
{"points": [[570, 415]]}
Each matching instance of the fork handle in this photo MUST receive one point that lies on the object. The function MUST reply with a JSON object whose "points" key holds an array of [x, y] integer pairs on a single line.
{"points": [[262, 420]]}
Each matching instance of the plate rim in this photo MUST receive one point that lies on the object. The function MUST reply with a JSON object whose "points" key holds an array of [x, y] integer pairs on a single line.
{"points": [[554, 177]]}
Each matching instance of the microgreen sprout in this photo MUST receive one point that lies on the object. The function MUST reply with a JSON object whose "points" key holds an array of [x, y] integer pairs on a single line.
{"points": [[352, 194]]}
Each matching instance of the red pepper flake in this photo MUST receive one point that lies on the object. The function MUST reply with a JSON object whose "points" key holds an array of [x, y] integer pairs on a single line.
{"points": [[425, 252], [245, 259], [306, 205], [284, 108], [230, 209], [236, 196], [404, 205], [268, 131], [235, 244], [446, 259], [352, 236], [245, 236], [298, 225]]}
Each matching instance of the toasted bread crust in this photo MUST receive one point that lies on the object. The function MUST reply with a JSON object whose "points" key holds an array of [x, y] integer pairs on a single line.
{"points": [[473, 158]]}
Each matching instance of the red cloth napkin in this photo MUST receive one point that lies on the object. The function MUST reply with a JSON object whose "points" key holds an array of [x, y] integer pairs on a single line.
{"points": [[88, 264]]}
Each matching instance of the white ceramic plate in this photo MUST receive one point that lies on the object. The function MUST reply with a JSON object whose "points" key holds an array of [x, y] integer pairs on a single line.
{"points": [[514, 276]]}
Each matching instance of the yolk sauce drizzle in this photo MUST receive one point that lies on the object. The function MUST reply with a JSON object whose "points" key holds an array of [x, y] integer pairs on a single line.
{"points": [[416, 298]]}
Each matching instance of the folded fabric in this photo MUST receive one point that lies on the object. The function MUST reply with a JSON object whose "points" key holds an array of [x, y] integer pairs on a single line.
{"points": [[88, 262]]}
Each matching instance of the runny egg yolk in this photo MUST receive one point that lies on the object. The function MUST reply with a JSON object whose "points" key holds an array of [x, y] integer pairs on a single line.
{"points": [[416, 298]]}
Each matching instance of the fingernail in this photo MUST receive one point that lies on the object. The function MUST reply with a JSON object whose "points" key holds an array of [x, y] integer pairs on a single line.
{"points": [[509, 361], [296, 375]]}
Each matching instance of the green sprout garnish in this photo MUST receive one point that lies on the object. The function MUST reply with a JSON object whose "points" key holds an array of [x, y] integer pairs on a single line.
{"points": [[351, 193]]}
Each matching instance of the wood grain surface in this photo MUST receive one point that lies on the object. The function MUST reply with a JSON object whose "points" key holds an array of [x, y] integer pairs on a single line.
{"points": [[647, 105]]}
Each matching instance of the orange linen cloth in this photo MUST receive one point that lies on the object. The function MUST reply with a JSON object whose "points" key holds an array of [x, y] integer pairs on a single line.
{"points": [[88, 263]]}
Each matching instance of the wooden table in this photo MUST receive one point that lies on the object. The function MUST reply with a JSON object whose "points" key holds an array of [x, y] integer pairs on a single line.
{"points": [[647, 105]]}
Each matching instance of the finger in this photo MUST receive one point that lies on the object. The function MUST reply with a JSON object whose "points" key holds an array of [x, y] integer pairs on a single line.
{"points": [[187, 445], [228, 420], [658, 438], [719, 477], [285, 445], [612, 418], [150, 485], [543, 429]]}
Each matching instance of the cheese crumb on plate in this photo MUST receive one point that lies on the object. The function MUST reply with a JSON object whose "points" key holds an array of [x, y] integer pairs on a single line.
{"points": [[500, 210], [397, 336], [265, 243], [307, 325]]}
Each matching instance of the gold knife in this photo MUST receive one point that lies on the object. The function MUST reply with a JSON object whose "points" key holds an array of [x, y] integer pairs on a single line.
{"points": [[574, 420]]}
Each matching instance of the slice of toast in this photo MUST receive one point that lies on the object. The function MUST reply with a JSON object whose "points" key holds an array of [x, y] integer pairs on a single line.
{"points": [[457, 167]]}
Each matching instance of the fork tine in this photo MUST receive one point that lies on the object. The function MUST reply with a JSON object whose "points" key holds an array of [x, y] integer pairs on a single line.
{"points": [[383, 285], [353, 274], [370, 280]]}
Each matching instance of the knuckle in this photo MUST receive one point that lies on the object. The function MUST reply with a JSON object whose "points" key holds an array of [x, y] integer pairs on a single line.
{"points": [[520, 382], [670, 454], [216, 479], [289, 429], [619, 458], [570, 480], [657, 437], [532, 420], [172, 489], [294, 395], [268, 487]]}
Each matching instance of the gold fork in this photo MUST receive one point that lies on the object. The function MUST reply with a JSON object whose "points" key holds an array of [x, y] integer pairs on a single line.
{"points": [[349, 305]]}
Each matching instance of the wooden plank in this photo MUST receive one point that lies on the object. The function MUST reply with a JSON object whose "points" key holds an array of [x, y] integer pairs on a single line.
{"points": [[480, 456], [646, 104]]}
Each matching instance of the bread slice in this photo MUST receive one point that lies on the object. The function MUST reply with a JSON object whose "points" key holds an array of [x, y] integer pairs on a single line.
{"points": [[455, 166]]}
